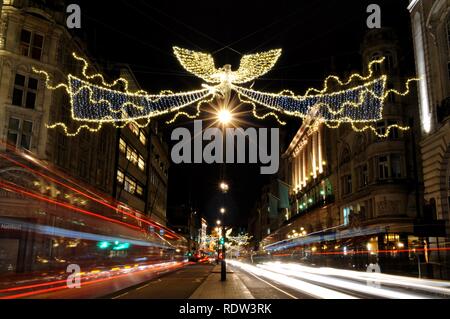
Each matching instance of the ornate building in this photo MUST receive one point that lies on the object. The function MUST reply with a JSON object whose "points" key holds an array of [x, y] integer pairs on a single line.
{"points": [[35, 35], [362, 192], [431, 33]]}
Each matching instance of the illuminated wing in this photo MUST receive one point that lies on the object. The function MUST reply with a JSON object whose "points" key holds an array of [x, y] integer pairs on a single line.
{"points": [[198, 63], [255, 65], [363, 103]]}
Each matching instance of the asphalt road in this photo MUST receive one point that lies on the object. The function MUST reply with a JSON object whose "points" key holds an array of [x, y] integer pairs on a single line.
{"points": [[180, 284]]}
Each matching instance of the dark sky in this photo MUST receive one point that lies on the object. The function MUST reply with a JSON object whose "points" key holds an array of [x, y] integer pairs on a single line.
{"points": [[311, 33]]}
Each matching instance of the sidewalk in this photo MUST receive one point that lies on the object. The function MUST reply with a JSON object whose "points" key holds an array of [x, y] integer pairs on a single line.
{"points": [[213, 288]]}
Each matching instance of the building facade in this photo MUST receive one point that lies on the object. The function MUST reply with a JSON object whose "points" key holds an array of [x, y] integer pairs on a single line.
{"points": [[33, 35], [360, 193], [430, 21]]}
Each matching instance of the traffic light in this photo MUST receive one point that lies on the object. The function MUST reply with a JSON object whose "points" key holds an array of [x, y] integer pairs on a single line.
{"points": [[222, 240]]}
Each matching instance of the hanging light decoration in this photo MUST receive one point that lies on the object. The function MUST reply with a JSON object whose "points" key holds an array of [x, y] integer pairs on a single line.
{"points": [[95, 102]]}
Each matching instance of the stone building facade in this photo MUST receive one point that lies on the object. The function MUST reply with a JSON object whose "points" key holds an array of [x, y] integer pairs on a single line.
{"points": [[430, 20], [363, 191]]}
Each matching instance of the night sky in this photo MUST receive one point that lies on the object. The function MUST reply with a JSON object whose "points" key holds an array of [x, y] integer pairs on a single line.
{"points": [[311, 33]]}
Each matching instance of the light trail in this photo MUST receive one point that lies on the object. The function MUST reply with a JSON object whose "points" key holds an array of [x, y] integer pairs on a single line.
{"points": [[87, 280], [101, 201], [339, 283], [431, 286], [302, 286]]}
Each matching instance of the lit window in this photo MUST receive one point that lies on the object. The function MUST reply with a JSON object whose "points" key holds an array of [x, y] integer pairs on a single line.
{"points": [[139, 190], [142, 138], [120, 177], [129, 185], [132, 155], [134, 128], [346, 213], [122, 146], [31, 44], [25, 90], [141, 163], [20, 133], [383, 167]]}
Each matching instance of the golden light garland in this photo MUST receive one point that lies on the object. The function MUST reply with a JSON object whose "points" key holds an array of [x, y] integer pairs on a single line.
{"points": [[94, 100]]}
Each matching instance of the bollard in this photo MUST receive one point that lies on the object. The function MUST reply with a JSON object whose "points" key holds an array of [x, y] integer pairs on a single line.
{"points": [[223, 271]]}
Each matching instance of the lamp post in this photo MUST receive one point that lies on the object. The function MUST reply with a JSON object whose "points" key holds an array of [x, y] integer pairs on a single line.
{"points": [[225, 117]]}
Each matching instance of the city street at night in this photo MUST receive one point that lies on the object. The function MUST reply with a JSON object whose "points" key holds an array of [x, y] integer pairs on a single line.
{"points": [[208, 159]]}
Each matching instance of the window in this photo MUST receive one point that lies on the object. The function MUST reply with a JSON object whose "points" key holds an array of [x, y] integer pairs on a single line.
{"points": [[142, 138], [120, 177], [381, 128], [347, 184], [345, 156], [25, 90], [139, 190], [376, 66], [132, 155], [393, 133], [129, 185], [396, 167], [122, 146], [31, 44], [383, 167], [141, 163], [20, 133], [138, 132], [134, 128], [363, 176], [346, 212]]}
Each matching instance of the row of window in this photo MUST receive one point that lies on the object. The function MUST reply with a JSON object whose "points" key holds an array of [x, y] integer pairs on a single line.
{"points": [[388, 167], [132, 154], [129, 184], [138, 132]]}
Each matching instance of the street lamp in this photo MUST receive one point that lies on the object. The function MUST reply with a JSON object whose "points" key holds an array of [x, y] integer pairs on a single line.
{"points": [[224, 187], [224, 116], [218, 222], [222, 210]]}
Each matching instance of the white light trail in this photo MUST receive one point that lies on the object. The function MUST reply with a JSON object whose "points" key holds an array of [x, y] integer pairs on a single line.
{"points": [[307, 288], [291, 270]]}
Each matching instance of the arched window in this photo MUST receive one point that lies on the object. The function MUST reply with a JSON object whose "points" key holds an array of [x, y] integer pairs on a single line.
{"points": [[345, 156]]}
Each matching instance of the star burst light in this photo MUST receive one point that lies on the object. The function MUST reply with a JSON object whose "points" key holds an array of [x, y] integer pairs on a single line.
{"points": [[94, 101]]}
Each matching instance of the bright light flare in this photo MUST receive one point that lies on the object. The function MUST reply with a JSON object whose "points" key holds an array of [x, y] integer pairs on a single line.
{"points": [[224, 116]]}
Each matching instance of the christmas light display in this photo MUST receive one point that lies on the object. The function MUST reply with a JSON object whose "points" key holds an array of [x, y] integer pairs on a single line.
{"points": [[358, 100]]}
